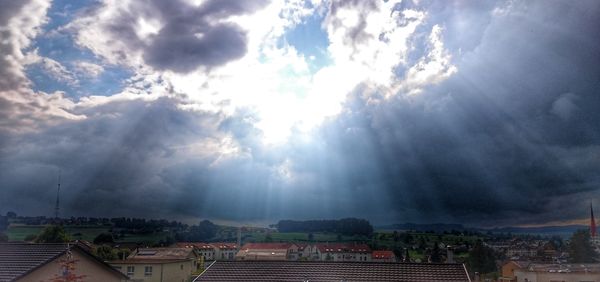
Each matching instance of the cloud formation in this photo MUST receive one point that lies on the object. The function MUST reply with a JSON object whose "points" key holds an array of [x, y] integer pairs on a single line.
{"points": [[482, 114]]}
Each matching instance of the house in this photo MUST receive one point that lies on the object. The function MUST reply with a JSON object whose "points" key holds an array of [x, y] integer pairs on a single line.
{"points": [[159, 264], [535, 272], [213, 251], [205, 250], [509, 267], [267, 251], [332, 271], [344, 252], [308, 252], [47, 262], [225, 251], [383, 256]]}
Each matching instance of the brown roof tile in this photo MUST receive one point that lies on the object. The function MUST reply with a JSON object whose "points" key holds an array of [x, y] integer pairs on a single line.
{"points": [[18, 259], [332, 271]]}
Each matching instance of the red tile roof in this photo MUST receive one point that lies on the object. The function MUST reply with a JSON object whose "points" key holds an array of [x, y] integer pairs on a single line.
{"points": [[198, 245], [268, 271], [266, 246], [151, 254], [207, 246], [224, 246], [383, 255], [343, 248]]}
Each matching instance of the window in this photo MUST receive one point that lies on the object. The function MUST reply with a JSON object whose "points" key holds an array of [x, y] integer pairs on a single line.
{"points": [[130, 270], [148, 271]]}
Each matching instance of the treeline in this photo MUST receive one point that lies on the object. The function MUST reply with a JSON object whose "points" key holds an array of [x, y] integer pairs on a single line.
{"points": [[345, 226]]}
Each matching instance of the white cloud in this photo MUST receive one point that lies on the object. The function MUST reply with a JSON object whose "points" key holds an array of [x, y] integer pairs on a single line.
{"points": [[88, 69], [22, 109], [368, 40]]}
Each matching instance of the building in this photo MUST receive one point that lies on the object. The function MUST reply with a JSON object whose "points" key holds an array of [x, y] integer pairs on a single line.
{"points": [[46, 262], [383, 256], [557, 272], [212, 251], [268, 251], [159, 264], [344, 252], [308, 252], [204, 250], [508, 270], [225, 251], [332, 271]]}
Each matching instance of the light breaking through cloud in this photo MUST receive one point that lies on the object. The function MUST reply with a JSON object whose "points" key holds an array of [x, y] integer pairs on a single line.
{"points": [[478, 113]]}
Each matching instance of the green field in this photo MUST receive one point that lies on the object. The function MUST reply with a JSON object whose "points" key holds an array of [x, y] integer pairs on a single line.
{"points": [[18, 232]]}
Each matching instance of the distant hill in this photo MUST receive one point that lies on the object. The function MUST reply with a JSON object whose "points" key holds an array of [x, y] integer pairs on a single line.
{"points": [[545, 230], [436, 227], [441, 227]]}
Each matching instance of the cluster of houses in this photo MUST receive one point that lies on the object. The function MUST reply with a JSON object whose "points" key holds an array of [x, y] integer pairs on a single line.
{"points": [[290, 252], [186, 262], [534, 250]]}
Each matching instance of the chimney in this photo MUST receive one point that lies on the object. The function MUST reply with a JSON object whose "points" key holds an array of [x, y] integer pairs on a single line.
{"points": [[449, 254]]}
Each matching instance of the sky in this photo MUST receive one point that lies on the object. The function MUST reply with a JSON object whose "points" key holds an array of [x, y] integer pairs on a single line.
{"points": [[484, 113]]}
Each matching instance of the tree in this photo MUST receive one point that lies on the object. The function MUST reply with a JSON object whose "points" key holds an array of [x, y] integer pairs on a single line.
{"points": [[435, 255], [11, 214], [53, 234], [3, 237], [268, 238], [311, 237], [105, 252], [481, 259], [104, 238], [580, 249]]}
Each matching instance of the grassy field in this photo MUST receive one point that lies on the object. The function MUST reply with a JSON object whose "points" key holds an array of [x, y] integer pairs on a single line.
{"points": [[17, 232], [298, 237]]}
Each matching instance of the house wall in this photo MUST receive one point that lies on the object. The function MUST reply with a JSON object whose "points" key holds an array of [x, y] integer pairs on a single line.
{"points": [[161, 272], [226, 254], [508, 270], [208, 254], [346, 256], [84, 265]]}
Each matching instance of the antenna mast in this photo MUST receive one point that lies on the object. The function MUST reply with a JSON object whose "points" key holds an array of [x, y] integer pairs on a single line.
{"points": [[56, 207]]}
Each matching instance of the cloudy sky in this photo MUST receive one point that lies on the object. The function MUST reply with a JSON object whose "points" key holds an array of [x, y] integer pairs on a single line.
{"points": [[474, 112]]}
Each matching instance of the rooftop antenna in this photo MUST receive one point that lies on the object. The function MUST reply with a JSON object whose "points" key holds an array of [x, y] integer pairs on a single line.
{"points": [[56, 207]]}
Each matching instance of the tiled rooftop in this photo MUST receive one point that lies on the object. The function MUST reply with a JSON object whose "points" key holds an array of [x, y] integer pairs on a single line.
{"points": [[161, 254], [383, 255], [343, 248], [17, 259], [332, 271], [266, 246]]}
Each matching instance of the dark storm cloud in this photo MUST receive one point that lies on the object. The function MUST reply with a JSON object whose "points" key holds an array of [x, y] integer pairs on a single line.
{"points": [[489, 143], [512, 137], [190, 36]]}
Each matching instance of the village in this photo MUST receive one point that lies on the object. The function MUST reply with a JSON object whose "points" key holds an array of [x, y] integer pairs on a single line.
{"points": [[446, 256]]}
